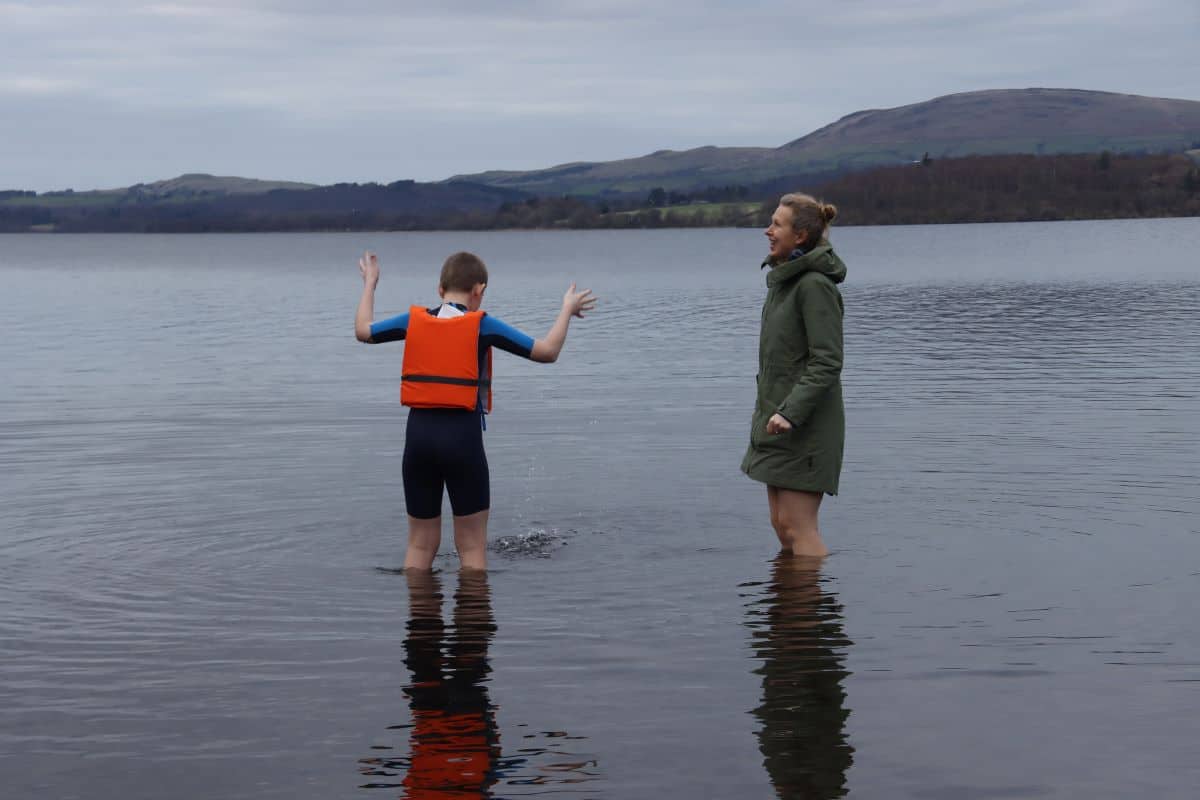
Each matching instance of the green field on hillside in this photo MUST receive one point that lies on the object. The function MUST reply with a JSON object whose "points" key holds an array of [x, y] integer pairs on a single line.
{"points": [[698, 213]]}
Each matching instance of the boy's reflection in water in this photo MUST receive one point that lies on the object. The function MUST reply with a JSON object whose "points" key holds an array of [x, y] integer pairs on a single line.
{"points": [[797, 632], [454, 744]]}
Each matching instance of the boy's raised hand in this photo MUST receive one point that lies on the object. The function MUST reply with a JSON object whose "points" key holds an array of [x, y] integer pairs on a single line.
{"points": [[578, 302], [547, 348], [368, 265]]}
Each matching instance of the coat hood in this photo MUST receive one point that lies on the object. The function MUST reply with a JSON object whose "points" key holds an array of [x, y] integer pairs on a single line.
{"points": [[820, 259]]}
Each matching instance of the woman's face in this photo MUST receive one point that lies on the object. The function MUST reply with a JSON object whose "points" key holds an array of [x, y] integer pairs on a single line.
{"points": [[781, 236]]}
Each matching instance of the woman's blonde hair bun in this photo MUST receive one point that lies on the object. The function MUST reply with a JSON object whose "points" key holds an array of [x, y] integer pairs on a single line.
{"points": [[809, 214]]}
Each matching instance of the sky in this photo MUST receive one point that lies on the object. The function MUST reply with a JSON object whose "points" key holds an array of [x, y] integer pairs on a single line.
{"points": [[109, 93]]}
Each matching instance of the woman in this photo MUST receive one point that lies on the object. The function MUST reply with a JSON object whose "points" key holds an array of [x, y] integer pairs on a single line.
{"points": [[798, 425]]}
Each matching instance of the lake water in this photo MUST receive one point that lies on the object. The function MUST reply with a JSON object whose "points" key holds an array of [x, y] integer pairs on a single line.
{"points": [[200, 503]]}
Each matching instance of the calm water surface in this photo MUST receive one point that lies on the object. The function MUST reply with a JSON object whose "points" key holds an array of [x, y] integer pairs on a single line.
{"points": [[201, 512]]}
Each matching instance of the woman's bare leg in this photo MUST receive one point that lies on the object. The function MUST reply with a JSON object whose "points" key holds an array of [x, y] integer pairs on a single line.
{"points": [[785, 544], [794, 517]]}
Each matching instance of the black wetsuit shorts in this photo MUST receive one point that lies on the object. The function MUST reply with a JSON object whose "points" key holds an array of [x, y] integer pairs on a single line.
{"points": [[443, 447]]}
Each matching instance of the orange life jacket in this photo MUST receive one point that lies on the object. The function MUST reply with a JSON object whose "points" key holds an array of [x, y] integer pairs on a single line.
{"points": [[441, 362]]}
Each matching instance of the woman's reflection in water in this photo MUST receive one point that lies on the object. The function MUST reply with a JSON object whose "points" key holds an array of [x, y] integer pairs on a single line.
{"points": [[797, 632], [454, 744]]}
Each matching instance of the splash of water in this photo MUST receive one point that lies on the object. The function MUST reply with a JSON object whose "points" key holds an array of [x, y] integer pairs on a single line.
{"points": [[538, 543]]}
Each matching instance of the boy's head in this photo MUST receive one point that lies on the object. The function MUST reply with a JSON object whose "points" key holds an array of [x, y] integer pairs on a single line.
{"points": [[464, 272]]}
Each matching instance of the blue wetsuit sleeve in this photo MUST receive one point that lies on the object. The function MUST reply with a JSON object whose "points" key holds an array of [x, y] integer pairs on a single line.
{"points": [[390, 330], [494, 332]]}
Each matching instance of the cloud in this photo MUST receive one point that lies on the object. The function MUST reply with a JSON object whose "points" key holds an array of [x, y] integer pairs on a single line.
{"points": [[476, 85], [38, 85]]}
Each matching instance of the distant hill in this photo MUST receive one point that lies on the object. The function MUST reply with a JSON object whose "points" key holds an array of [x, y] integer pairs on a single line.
{"points": [[185, 187], [994, 188], [1100, 126], [196, 183], [669, 169], [196, 203], [1004, 121]]}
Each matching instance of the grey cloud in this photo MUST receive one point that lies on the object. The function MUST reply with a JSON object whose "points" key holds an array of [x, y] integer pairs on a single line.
{"points": [[380, 90]]}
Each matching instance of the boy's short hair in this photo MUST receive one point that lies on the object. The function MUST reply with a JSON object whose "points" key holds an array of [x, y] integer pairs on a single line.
{"points": [[462, 272]]}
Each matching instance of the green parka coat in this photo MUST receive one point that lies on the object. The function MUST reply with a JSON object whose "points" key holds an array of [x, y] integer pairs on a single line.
{"points": [[799, 376]]}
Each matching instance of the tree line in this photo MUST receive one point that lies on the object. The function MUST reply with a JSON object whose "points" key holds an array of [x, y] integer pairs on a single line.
{"points": [[1016, 188], [1001, 188]]}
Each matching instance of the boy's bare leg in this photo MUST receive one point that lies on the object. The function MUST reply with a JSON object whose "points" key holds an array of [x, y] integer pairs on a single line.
{"points": [[794, 517], [424, 537], [470, 538]]}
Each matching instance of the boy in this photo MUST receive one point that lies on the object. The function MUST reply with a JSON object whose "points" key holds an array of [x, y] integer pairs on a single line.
{"points": [[446, 382]]}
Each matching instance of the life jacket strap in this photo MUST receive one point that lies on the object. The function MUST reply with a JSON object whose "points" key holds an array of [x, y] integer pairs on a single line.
{"points": [[444, 379]]}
